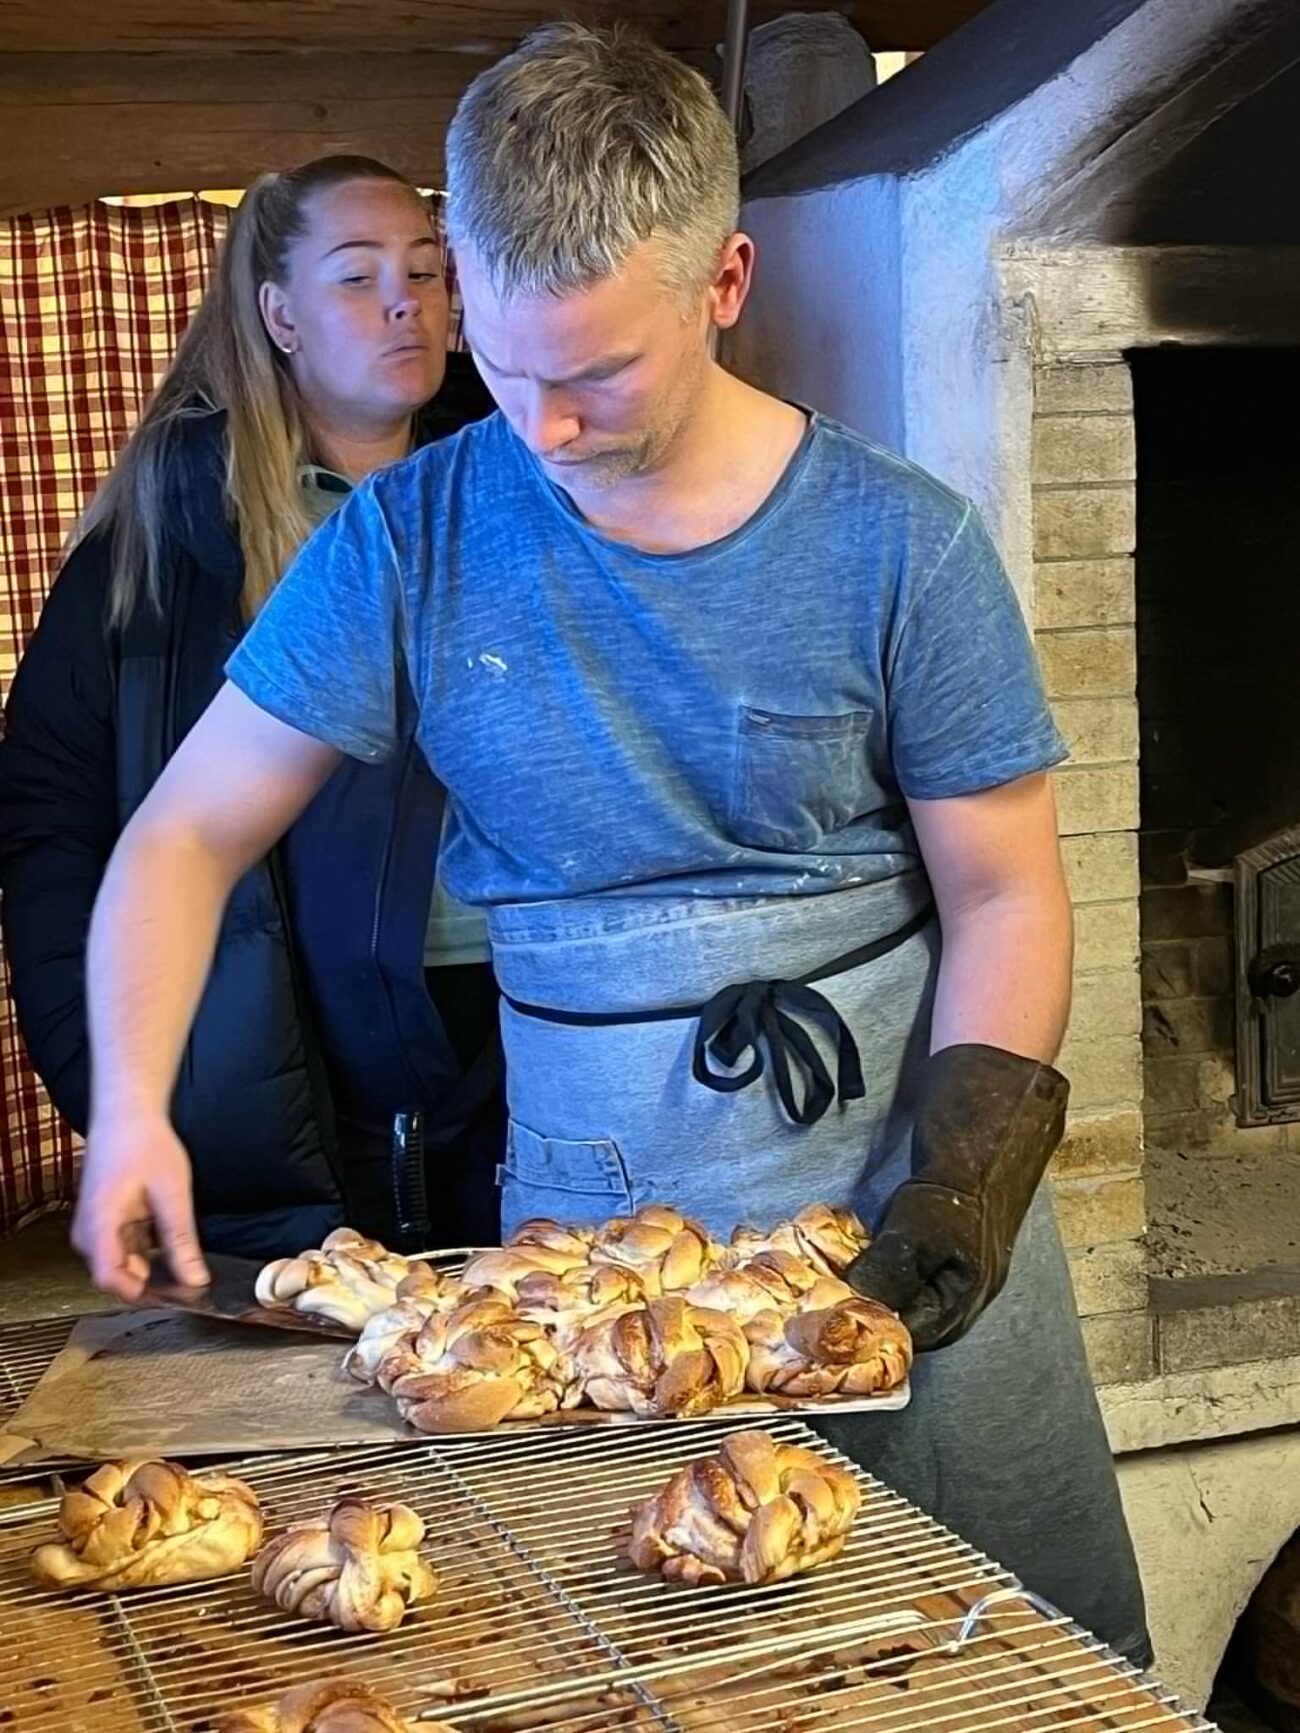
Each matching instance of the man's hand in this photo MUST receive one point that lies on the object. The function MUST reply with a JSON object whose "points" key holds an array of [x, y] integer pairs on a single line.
{"points": [[986, 1126], [135, 1188]]}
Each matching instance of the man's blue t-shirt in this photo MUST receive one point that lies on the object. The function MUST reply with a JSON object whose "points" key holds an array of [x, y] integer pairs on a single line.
{"points": [[743, 719]]}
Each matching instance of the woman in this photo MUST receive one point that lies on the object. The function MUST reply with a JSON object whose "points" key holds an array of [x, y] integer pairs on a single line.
{"points": [[320, 1079]]}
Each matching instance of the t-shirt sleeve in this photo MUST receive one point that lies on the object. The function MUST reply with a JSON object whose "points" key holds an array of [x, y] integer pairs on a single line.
{"points": [[966, 705], [326, 654]]}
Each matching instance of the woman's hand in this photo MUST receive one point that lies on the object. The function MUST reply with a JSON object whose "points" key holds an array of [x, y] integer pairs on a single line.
{"points": [[136, 1191]]}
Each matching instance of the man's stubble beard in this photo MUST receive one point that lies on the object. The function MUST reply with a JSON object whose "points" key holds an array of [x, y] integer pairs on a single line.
{"points": [[609, 469]]}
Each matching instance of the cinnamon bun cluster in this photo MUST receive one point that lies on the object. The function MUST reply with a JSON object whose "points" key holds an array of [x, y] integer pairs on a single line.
{"points": [[648, 1314]]}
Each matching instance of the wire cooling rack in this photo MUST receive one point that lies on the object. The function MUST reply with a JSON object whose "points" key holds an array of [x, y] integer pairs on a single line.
{"points": [[540, 1622]]}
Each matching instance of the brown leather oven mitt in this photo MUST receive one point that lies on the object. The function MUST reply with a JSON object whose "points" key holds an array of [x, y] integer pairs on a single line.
{"points": [[987, 1124]]}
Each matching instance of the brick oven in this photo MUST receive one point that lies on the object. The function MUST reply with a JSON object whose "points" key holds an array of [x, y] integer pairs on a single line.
{"points": [[1218, 646], [1057, 261]]}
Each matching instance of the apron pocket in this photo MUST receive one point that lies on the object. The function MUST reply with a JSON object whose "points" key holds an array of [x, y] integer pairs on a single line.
{"points": [[584, 1182], [799, 779]]}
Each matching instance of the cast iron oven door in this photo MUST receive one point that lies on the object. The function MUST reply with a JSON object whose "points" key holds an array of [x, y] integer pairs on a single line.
{"points": [[1268, 981]]}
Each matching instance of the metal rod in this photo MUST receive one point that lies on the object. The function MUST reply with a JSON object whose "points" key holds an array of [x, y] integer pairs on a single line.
{"points": [[733, 59], [151, 1686], [976, 1616]]}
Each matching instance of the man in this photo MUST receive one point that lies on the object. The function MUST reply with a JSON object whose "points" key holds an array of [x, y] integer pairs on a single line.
{"points": [[729, 703]]}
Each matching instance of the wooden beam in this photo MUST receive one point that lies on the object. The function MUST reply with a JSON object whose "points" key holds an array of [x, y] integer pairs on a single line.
{"points": [[488, 26], [1102, 300], [74, 127]]}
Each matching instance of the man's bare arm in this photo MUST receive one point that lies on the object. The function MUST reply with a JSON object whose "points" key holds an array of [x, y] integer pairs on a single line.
{"points": [[236, 784], [995, 864]]}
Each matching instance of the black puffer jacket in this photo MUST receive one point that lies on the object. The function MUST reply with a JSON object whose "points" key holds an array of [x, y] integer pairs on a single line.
{"points": [[315, 1027]]}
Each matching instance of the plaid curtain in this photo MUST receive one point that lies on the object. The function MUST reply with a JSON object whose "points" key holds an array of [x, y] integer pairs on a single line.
{"points": [[92, 304]]}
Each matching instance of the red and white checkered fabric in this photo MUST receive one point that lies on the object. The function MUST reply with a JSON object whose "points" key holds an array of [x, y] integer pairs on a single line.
{"points": [[92, 304]]}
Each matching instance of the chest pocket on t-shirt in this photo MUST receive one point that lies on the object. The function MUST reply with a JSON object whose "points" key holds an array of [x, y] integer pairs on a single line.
{"points": [[797, 779]]}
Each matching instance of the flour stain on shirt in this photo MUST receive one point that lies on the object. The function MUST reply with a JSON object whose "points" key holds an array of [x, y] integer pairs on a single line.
{"points": [[494, 664]]}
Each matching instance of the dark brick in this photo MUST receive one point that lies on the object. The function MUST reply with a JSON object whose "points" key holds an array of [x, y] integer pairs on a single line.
{"points": [[1196, 911], [1162, 855], [1213, 967], [1190, 1027], [1168, 970], [1185, 1132], [1172, 1086]]}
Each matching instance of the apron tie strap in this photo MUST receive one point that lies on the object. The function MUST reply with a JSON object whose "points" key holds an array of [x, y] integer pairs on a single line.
{"points": [[761, 1018], [758, 1016]]}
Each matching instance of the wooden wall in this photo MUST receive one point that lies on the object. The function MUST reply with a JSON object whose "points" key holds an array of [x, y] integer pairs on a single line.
{"points": [[76, 126]]}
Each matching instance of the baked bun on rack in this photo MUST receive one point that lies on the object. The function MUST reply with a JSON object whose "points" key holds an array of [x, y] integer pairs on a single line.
{"points": [[143, 1524], [357, 1568], [326, 1706], [756, 1512]]}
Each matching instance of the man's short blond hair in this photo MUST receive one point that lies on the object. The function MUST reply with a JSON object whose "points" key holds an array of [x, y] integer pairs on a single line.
{"points": [[568, 154]]}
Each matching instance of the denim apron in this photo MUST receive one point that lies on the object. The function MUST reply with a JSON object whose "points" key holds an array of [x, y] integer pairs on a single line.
{"points": [[1003, 1440]]}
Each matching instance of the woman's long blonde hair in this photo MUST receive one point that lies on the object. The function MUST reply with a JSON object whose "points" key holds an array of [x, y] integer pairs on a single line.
{"points": [[226, 360]]}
